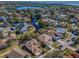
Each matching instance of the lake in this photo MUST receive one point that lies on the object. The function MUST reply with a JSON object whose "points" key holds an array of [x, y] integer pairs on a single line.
{"points": [[26, 7]]}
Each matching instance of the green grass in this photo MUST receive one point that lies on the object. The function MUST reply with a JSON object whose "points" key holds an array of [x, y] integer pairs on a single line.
{"points": [[54, 44]]}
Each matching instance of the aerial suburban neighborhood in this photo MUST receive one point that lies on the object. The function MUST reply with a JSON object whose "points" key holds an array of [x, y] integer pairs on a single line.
{"points": [[39, 29]]}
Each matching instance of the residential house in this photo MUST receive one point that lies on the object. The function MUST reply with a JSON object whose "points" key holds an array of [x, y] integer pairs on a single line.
{"points": [[60, 30], [68, 56], [2, 44], [50, 32], [75, 30], [2, 29], [71, 37], [33, 45], [77, 17], [73, 20], [10, 37], [75, 55], [44, 20], [2, 18], [18, 53], [57, 36], [67, 36], [58, 18], [77, 50], [75, 10], [25, 27], [45, 39], [27, 19], [62, 15]]}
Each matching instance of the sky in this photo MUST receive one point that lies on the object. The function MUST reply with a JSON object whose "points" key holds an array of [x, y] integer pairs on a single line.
{"points": [[52, 2], [66, 2]]}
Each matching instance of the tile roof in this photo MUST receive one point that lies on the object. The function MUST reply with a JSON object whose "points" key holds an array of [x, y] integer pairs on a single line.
{"points": [[75, 55], [17, 53], [45, 39], [34, 45], [2, 44]]}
